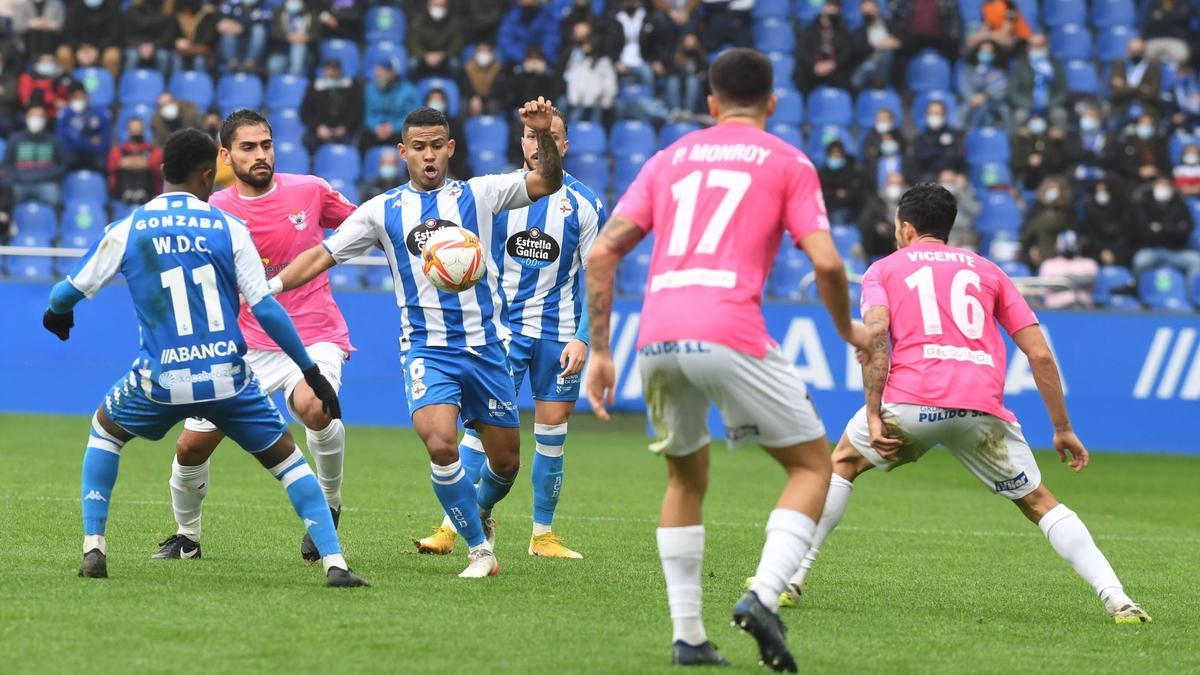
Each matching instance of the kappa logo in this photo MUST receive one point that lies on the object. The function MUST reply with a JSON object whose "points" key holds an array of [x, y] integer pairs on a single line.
{"points": [[309, 522], [299, 219], [95, 496], [1173, 364]]}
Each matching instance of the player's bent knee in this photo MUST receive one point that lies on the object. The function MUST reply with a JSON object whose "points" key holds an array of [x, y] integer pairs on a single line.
{"points": [[443, 450], [310, 410], [1036, 504], [194, 448]]}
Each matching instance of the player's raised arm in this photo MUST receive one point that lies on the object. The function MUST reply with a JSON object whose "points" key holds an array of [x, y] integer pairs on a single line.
{"points": [[1032, 342], [618, 238], [548, 177], [833, 286]]}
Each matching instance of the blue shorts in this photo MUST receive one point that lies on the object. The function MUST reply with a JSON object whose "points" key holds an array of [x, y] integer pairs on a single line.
{"points": [[476, 379], [540, 358], [249, 417]]}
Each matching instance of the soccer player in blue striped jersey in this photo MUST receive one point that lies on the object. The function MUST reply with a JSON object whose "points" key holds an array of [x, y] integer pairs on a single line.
{"points": [[185, 263], [545, 246], [451, 344]]}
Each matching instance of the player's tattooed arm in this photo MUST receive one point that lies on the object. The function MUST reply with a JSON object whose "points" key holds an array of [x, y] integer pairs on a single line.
{"points": [[548, 177], [875, 370], [616, 239]]}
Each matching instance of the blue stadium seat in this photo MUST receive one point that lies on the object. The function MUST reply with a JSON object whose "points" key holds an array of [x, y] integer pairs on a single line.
{"points": [[35, 224], [85, 186], [1032, 13], [631, 137], [337, 160], [772, 8], [286, 91], [488, 162], [370, 161], [378, 278], [987, 144], [774, 34], [99, 85], [384, 23], [1015, 268], [3, 145], [345, 277], [81, 222], [847, 239], [1112, 41], [591, 168], [1082, 79], [588, 137], [872, 101], [239, 90], [291, 158], [634, 269], [344, 51], [922, 101], [346, 187], [625, 169], [287, 127], [787, 132], [674, 131], [33, 268], [791, 266], [1112, 278], [828, 105], [445, 84], [143, 110], [118, 209], [487, 132], [1126, 303], [991, 175], [971, 11], [999, 213], [820, 137], [789, 108], [1113, 13], [141, 85], [378, 52], [1061, 12], [928, 71], [807, 10], [782, 67], [852, 14], [1163, 288], [1071, 41], [195, 86]]}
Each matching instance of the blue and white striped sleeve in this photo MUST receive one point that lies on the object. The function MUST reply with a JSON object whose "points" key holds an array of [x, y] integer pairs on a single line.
{"points": [[589, 225], [103, 260], [502, 191], [358, 233]]}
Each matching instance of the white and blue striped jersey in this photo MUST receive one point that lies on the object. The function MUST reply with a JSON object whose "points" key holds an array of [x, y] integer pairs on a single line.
{"points": [[401, 220], [540, 250], [184, 262]]}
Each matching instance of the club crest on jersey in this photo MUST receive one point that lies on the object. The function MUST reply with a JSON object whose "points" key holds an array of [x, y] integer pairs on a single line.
{"points": [[454, 191], [565, 208], [533, 248], [299, 219]]}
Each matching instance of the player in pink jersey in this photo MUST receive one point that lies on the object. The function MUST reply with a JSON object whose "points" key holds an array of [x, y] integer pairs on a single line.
{"points": [[941, 310], [720, 200], [287, 214]]}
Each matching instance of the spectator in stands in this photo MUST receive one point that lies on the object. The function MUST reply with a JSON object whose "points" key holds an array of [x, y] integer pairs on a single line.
{"points": [[1187, 172], [211, 125], [1038, 84], [388, 100], [1107, 229], [531, 79], [1079, 271], [340, 19], [841, 183], [927, 24], [192, 35], [725, 23], [877, 219], [1046, 219], [171, 116], [1089, 149], [681, 13], [145, 26], [1142, 154], [134, 166], [44, 84], [1163, 225], [434, 40], [83, 132], [10, 100], [34, 160], [529, 23], [686, 77], [483, 20], [644, 57], [591, 78], [95, 22], [1136, 79], [6, 209], [824, 51], [969, 208], [610, 37], [938, 147], [1184, 93], [874, 49], [885, 122], [39, 24], [387, 176], [293, 29], [1003, 25], [243, 29], [1169, 27], [1038, 151], [485, 90], [982, 88], [332, 108]]}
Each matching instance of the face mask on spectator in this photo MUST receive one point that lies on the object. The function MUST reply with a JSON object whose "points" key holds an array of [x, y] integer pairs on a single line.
{"points": [[1038, 54], [1037, 126], [1145, 131], [438, 105], [294, 6], [78, 105], [170, 111], [893, 192], [46, 68], [882, 127], [1089, 124], [1163, 193], [986, 58], [137, 138], [889, 147], [388, 171], [484, 58], [1191, 158], [836, 163], [35, 124], [951, 188], [437, 12], [1051, 195], [93, 4], [935, 122], [1103, 198]]}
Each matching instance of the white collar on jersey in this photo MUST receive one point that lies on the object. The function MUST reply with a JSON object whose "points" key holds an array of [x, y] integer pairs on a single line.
{"points": [[179, 193]]}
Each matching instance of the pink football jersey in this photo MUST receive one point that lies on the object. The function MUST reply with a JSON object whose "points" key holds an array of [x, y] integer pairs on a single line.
{"points": [[285, 222], [718, 201], [945, 303]]}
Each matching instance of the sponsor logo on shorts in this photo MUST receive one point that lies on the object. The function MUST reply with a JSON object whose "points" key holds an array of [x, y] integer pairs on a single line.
{"points": [[500, 408], [932, 414], [738, 433], [1012, 483], [170, 378], [676, 347]]}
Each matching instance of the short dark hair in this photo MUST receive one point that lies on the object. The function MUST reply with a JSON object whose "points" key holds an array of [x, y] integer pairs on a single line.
{"points": [[930, 208], [742, 76], [424, 117], [243, 117], [186, 152]]}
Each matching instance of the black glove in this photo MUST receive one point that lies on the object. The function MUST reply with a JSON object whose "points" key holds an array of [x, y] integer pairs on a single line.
{"points": [[323, 391], [59, 324]]}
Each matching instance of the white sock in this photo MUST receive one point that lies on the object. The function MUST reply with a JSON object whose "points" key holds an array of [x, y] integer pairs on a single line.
{"points": [[93, 541], [334, 560], [540, 529], [681, 550], [189, 485], [328, 448], [1070, 539], [835, 507], [789, 534]]}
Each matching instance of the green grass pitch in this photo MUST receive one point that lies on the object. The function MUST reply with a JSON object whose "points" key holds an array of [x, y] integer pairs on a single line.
{"points": [[929, 572]]}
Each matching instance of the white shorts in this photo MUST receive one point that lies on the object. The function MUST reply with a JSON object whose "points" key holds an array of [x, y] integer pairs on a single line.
{"points": [[277, 372], [992, 449], [761, 401]]}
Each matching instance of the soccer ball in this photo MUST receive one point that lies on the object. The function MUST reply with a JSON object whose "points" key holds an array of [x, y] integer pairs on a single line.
{"points": [[452, 259]]}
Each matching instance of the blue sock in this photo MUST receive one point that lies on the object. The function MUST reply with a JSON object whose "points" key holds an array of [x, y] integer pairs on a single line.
{"points": [[308, 501], [492, 487], [457, 495], [100, 463], [470, 453], [547, 470]]}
